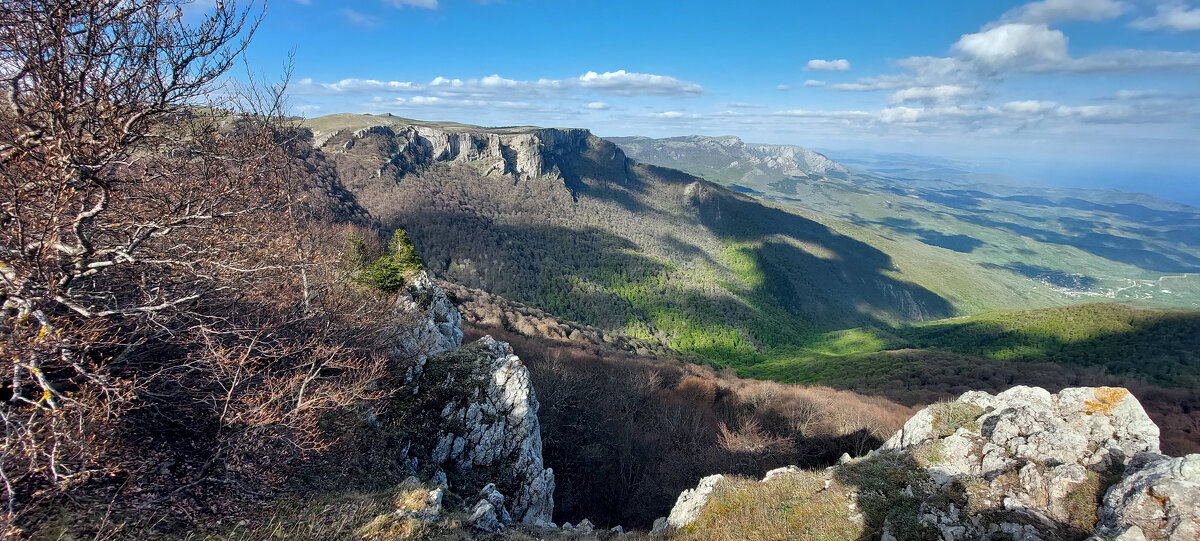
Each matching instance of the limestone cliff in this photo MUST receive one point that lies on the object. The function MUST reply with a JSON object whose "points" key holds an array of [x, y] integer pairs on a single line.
{"points": [[521, 154]]}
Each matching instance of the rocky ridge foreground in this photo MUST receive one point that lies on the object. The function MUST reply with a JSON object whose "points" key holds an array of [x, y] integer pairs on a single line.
{"points": [[475, 415], [1024, 464]]}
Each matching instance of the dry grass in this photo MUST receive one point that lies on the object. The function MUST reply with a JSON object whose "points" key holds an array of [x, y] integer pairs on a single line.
{"points": [[794, 506], [948, 417]]}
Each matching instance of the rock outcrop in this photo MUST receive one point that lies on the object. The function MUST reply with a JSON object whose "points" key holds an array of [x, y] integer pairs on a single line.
{"points": [[490, 420], [521, 153], [1159, 498], [478, 412], [690, 502], [1024, 464], [435, 326]]}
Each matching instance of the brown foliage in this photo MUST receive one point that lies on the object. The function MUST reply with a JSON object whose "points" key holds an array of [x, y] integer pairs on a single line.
{"points": [[174, 322], [625, 434]]}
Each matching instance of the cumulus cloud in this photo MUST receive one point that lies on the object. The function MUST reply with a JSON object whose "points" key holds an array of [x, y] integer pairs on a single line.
{"points": [[1171, 16], [782, 88], [840, 64], [1015, 45], [598, 105], [813, 83], [1052, 11], [934, 94], [618, 83], [625, 83], [449, 103]]}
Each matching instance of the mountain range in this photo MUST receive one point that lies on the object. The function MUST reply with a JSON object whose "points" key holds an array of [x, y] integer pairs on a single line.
{"points": [[789, 266]]}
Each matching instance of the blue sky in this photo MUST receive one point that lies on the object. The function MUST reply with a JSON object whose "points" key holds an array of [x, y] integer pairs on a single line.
{"points": [[1079, 92]]}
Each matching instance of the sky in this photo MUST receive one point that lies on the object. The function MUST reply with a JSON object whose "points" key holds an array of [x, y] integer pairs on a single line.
{"points": [[1071, 92]]}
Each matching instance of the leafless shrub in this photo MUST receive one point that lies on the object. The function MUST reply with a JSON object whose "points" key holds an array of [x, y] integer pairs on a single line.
{"points": [[171, 305]]}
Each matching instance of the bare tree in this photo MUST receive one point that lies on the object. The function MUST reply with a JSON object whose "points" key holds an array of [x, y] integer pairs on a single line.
{"points": [[153, 244]]}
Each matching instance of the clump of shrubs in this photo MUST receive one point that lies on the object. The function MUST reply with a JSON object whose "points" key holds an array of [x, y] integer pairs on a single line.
{"points": [[386, 268]]}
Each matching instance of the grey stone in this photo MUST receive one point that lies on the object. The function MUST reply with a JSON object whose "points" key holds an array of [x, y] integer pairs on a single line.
{"points": [[690, 502], [1161, 496]]}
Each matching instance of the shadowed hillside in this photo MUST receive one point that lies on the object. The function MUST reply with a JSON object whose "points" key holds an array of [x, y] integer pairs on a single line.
{"points": [[561, 220]]}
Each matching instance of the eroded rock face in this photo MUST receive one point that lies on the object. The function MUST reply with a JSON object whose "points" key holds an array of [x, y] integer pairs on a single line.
{"points": [[437, 326], [479, 408], [522, 155], [490, 423], [1158, 499]]}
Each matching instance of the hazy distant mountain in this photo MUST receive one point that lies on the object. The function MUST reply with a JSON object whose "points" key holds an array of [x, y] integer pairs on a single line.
{"points": [[730, 160], [1081, 243]]}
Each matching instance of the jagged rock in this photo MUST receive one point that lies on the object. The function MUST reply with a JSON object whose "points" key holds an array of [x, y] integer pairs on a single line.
{"points": [[617, 531], [690, 502], [1158, 499], [495, 498], [660, 527], [585, 527], [567, 526], [437, 325], [495, 423], [780, 471], [483, 517], [1093, 427], [1023, 451]]}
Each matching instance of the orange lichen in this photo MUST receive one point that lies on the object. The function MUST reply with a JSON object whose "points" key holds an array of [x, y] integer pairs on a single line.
{"points": [[1107, 398]]}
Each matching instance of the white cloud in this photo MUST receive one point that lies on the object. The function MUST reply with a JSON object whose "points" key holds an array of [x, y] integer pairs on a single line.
{"points": [[1171, 16], [620, 83], [625, 83], [1124, 94], [782, 88], [1097, 113], [598, 105], [1030, 106], [1051, 11], [1133, 60], [1016, 45], [840, 64], [811, 83], [427, 4], [934, 94], [673, 115], [440, 102], [803, 113]]}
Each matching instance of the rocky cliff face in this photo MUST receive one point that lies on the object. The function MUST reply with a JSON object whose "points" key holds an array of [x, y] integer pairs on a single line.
{"points": [[520, 154], [1024, 464], [473, 411]]}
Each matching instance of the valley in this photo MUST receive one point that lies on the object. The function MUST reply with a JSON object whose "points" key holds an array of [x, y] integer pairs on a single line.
{"points": [[810, 280]]}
